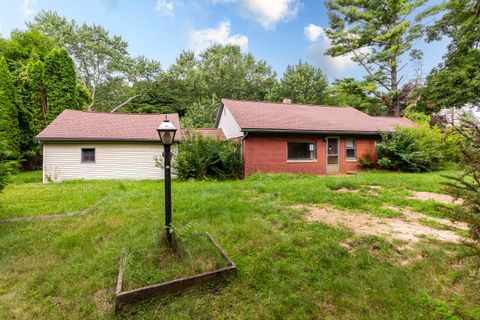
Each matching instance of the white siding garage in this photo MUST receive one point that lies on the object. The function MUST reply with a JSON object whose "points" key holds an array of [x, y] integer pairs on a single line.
{"points": [[98, 145], [63, 161]]}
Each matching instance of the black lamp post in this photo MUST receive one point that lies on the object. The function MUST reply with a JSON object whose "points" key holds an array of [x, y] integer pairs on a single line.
{"points": [[166, 132]]}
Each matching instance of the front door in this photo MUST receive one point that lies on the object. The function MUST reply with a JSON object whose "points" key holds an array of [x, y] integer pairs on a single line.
{"points": [[332, 155]]}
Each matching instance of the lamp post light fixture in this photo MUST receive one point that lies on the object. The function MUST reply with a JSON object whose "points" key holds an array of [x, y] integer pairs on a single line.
{"points": [[166, 132]]}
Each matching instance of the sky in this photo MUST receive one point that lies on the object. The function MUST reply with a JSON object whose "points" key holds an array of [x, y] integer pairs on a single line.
{"points": [[282, 32]]}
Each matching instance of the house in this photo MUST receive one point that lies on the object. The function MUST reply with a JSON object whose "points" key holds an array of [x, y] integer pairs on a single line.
{"points": [[93, 145], [274, 137], [286, 137]]}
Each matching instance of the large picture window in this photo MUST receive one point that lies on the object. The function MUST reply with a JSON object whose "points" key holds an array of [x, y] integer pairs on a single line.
{"points": [[301, 151], [351, 149], [88, 155]]}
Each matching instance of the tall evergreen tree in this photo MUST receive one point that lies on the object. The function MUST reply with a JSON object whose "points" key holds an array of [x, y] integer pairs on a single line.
{"points": [[60, 83], [377, 34], [9, 129]]}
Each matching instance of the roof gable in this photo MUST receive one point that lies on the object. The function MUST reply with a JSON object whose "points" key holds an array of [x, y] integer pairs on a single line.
{"points": [[73, 125]]}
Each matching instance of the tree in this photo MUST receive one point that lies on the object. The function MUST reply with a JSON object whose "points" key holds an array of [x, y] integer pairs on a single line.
{"points": [[60, 83], [302, 83], [97, 55], [229, 73], [192, 81], [9, 128], [377, 34], [456, 81], [201, 114], [360, 95], [466, 186]]}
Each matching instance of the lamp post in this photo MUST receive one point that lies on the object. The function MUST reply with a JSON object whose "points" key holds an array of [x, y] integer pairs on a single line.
{"points": [[166, 132]]}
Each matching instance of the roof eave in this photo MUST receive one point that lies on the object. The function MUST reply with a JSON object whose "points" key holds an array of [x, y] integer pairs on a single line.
{"points": [[54, 139], [219, 113], [311, 131]]}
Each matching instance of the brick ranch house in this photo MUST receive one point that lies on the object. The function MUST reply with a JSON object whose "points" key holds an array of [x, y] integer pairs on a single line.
{"points": [[285, 137], [274, 137]]}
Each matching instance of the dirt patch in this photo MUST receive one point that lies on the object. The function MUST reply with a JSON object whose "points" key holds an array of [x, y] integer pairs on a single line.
{"points": [[104, 301], [409, 215], [366, 224], [347, 190], [437, 197]]}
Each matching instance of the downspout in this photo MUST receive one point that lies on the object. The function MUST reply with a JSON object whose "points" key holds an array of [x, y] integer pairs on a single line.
{"points": [[242, 151]]}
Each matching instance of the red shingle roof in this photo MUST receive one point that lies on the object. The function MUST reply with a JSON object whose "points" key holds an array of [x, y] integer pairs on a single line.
{"points": [[97, 126], [215, 133], [267, 116]]}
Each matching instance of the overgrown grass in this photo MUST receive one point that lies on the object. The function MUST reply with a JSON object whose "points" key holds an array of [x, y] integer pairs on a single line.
{"points": [[155, 262], [288, 268]]}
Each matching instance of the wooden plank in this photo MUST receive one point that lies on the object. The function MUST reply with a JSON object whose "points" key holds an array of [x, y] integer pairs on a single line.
{"points": [[170, 287], [120, 272], [222, 252]]}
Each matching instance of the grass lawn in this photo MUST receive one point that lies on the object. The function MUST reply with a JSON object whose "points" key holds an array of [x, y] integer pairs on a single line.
{"points": [[288, 268]]}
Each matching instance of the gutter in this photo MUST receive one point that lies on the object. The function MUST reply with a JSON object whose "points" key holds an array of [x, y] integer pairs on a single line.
{"points": [[95, 140], [246, 130]]}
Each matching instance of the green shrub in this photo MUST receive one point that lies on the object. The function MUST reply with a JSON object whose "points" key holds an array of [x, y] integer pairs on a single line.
{"points": [[415, 149], [202, 158], [366, 162]]}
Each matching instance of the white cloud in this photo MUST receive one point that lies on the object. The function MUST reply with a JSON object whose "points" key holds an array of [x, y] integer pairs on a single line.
{"points": [[267, 12], [333, 66], [313, 32], [204, 38], [165, 7], [26, 8]]}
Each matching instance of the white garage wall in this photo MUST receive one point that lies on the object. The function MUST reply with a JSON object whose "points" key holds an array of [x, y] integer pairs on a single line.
{"points": [[62, 161]]}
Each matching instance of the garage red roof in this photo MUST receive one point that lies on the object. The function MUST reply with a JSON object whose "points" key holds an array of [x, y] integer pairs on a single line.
{"points": [[268, 116], [76, 125]]}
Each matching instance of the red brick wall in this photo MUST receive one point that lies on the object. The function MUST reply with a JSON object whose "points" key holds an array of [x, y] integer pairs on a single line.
{"points": [[269, 154]]}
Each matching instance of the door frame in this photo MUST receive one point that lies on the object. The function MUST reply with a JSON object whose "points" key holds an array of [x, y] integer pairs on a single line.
{"points": [[326, 155]]}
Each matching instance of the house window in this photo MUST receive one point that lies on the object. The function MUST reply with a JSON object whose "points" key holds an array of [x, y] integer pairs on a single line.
{"points": [[351, 149], [88, 155], [301, 151]]}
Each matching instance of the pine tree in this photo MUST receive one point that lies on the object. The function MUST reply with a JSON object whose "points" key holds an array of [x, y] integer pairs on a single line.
{"points": [[60, 83], [467, 187], [377, 34]]}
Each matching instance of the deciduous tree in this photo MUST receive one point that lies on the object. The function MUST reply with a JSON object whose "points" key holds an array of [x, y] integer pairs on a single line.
{"points": [[456, 81], [9, 128], [302, 83]]}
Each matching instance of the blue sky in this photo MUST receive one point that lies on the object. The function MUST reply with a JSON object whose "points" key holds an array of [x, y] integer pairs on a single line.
{"points": [[278, 31]]}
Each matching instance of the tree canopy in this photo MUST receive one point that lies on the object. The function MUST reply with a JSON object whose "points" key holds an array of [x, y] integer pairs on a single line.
{"points": [[302, 83], [456, 81], [377, 34]]}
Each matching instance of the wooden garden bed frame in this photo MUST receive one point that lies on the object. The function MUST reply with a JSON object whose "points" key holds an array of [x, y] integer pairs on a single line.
{"points": [[172, 286]]}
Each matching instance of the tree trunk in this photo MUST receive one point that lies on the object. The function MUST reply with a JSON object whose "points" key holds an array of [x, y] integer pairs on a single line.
{"points": [[124, 103], [394, 107]]}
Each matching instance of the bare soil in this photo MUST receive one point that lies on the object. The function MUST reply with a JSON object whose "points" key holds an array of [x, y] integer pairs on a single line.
{"points": [[347, 190], [437, 197], [409, 215], [402, 228]]}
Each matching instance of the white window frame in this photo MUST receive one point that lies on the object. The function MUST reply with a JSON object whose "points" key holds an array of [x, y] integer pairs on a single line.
{"points": [[354, 158]]}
